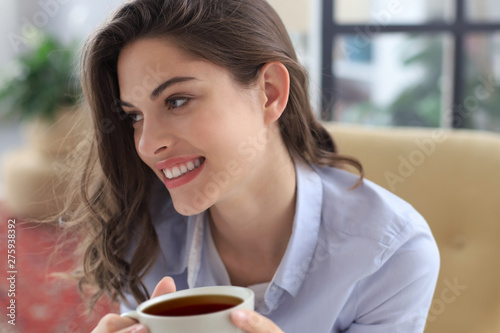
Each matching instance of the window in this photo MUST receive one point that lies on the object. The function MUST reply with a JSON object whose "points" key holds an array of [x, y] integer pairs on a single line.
{"points": [[412, 63]]}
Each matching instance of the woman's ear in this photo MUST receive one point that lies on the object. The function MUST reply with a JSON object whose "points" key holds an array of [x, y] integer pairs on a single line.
{"points": [[275, 85]]}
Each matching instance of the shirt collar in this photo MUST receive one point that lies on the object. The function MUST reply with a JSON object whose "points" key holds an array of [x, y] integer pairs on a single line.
{"points": [[302, 243], [196, 249]]}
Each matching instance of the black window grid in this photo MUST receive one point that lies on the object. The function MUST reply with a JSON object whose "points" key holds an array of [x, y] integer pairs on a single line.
{"points": [[459, 28]]}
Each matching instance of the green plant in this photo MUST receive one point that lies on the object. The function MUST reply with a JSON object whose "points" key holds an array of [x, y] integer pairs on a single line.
{"points": [[45, 81], [420, 103]]}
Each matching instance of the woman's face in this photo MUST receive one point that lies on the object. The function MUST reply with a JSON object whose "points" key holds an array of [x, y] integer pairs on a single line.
{"points": [[202, 135]]}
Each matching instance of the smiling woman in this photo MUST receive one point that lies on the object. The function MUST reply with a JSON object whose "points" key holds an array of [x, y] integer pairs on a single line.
{"points": [[215, 172]]}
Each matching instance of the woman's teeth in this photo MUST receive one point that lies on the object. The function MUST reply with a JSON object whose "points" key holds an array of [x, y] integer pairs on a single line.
{"points": [[181, 169]]}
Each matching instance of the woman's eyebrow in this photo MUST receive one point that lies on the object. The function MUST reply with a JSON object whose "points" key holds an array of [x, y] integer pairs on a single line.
{"points": [[160, 88], [123, 103], [166, 84]]}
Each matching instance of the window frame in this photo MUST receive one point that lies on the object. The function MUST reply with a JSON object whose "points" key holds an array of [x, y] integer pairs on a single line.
{"points": [[458, 29]]}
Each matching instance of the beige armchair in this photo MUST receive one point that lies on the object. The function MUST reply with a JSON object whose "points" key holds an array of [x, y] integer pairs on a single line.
{"points": [[453, 179]]}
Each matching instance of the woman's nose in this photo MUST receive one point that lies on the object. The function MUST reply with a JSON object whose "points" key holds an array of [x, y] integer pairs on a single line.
{"points": [[154, 137]]}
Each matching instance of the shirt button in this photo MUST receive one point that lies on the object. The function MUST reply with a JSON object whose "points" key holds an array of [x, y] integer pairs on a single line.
{"points": [[274, 288]]}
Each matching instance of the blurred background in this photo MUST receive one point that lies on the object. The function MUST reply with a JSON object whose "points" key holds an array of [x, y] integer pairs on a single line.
{"points": [[22, 26], [374, 63]]}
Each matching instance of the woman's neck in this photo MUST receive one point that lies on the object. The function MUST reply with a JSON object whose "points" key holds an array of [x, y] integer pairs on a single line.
{"points": [[251, 231]]}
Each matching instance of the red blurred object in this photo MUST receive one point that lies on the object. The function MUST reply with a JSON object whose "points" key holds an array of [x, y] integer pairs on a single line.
{"points": [[43, 303]]}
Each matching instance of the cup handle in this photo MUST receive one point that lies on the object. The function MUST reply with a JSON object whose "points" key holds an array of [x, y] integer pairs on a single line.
{"points": [[131, 314]]}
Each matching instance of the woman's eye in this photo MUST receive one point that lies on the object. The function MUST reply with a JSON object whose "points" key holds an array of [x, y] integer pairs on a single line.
{"points": [[135, 117], [175, 102]]}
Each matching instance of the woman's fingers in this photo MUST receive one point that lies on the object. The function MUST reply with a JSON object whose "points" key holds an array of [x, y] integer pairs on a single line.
{"points": [[165, 286], [252, 322], [112, 323], [137, 328]]}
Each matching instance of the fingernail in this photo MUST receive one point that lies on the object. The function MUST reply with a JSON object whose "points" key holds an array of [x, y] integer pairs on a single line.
{"points": [[240, 316], [139, 329]]}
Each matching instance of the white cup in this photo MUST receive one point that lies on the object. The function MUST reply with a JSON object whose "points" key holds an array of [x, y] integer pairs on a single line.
{"points": [[214, 322]]}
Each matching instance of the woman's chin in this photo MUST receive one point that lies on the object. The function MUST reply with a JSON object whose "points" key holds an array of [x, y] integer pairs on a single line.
{"points": [[188, 208]]}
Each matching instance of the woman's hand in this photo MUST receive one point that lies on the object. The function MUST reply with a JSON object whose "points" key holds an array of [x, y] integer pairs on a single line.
{"points": [[114, 323], [252, 322]]}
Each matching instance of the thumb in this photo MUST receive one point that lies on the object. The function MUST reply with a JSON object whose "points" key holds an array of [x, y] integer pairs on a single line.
{"points": [[165, 286]]}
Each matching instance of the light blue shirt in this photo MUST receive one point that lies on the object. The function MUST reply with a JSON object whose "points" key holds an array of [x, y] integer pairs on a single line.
{"points": [[358, 261]]}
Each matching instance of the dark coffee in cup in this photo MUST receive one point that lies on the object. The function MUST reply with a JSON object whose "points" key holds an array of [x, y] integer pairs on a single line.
{"points": [[192, 305]]}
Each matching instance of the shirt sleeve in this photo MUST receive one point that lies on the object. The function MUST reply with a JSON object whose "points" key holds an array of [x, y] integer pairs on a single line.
{"points": [[397, 297]]}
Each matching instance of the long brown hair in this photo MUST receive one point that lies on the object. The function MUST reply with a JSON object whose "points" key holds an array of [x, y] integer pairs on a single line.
{"points": [[239, 35]]}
